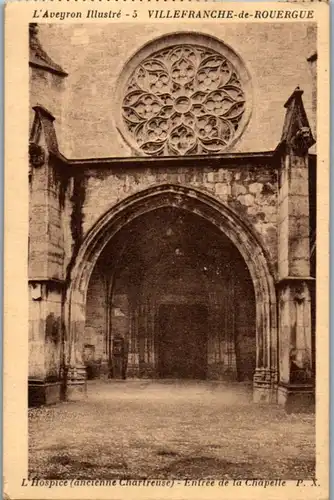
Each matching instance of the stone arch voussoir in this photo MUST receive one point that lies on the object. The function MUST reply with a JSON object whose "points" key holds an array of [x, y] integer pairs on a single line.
{"points": [[255, 255]]}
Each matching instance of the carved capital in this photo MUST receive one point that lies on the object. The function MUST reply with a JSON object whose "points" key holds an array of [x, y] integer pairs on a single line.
{"points": [[265, 376], [300, 293]]}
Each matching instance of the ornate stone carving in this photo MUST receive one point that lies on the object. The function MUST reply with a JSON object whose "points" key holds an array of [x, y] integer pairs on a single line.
{"points": [[181, 100], [36, 155], [300, 295], [302, 140]]}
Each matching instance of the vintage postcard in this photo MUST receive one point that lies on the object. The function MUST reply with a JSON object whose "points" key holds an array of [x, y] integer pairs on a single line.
{"points": [[166, 250]]}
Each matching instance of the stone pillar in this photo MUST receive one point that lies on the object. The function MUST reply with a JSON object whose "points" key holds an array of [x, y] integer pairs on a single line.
{"points": [[105, 360], [46, 260], [75, 371], [46, 239], [47, 79], [265, 376], [75, 304], [312, 60], [296, 385], [45, 342]]}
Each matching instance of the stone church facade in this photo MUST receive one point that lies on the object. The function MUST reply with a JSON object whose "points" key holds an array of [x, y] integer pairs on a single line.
{"points": [[172, 183]]}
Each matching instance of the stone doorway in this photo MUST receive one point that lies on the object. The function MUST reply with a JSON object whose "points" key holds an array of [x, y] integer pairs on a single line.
{"points": [[171, 246], [180, 294], [182, 341]]}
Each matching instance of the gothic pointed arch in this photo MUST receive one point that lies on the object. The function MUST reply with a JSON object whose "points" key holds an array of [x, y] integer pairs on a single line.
{"points": [[212, 211]]}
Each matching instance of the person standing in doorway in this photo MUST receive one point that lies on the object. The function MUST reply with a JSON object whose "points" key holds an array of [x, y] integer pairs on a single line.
{"points": [[120, 356], [117, 356], [125, 358]]}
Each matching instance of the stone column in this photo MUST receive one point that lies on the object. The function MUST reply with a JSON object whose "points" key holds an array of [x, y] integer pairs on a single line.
{"points": [[105, 359], [75, 304], [45, 342], [75, 373], [46, 239], [46, 260], [265, 376], [312, 61], [296, 387]]}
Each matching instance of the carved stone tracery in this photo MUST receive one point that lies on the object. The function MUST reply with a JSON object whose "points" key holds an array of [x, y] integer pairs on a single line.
{"points": [[184, 99]]}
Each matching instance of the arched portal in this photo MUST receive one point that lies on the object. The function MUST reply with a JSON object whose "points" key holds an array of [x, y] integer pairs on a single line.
{"points": [[187, 271], [176, 288]]}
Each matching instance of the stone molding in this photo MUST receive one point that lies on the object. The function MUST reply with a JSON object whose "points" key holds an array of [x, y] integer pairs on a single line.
{"points": [[204, 206], [179, 127], [295, 280]]}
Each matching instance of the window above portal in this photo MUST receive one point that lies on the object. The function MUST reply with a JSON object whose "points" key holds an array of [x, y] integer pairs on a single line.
{"points": [[184, 94]]}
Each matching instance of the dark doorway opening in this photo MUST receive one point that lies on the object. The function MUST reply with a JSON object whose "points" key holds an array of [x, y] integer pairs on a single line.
{"points": [[182, 341], [180, 293]]}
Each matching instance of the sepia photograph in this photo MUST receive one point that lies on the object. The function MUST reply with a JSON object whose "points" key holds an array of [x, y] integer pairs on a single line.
{"points": [[172, 252]]}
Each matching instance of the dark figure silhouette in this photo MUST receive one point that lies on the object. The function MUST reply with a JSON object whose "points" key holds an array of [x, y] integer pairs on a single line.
{"points": [[119, 357]]}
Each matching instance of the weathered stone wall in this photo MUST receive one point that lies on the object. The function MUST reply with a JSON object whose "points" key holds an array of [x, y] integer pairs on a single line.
{"points": [[71, 224], [36, 338], [277, 66], [250, 191], [45, 332], [294, 223], [45, 272], [48, 89], [46, 237], [64, 208], [96, 314]]}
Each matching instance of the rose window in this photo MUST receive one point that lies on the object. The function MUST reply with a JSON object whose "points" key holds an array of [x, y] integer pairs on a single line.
{"points": [[183, 100]]}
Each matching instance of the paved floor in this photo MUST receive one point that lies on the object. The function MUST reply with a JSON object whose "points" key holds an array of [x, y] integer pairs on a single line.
{"points": [[144, 429]]}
